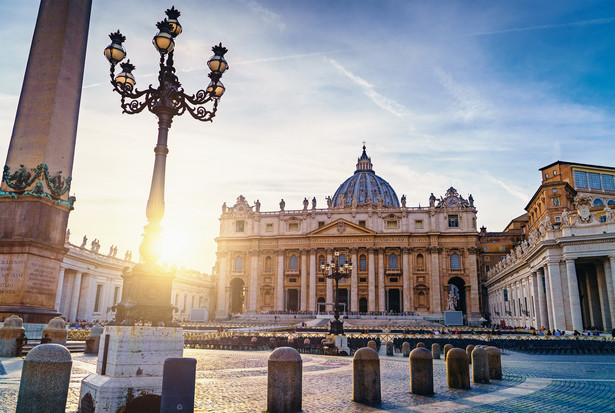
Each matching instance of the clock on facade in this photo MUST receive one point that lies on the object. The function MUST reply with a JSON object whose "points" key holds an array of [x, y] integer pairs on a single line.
{"points": [[452, 202]]}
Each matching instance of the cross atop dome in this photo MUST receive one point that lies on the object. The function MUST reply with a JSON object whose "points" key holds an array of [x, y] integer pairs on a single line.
{"points": [[364, 163]]}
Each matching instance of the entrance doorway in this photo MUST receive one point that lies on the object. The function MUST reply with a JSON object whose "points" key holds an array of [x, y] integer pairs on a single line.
{"points": [[363, 305], [343, 299], [460, 290], [394, 300], [237, 296], [292, 299]]}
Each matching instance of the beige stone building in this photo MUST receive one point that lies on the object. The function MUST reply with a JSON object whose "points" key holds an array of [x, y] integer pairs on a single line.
{"points": [[405, 258], [562, 275]]}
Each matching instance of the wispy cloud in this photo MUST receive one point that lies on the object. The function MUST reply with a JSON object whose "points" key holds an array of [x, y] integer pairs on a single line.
{"points": [[380, 100], [508, 188], [546, 26], [470, 104], [265, 14]]}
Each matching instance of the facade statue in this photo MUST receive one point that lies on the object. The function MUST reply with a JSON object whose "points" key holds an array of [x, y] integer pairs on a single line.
{"points": [[432, 200], [305, 204], [354, 201], [114, 251], [67, 238], [314, 203], [257, 205], [453, 297], [282, 204], [95, 246], [471, 199], [608, 213], [342, 201], [224, 208], [403, 201], [548, 225], [565, 218], [329, 202], [85, 240], [110, 251]]}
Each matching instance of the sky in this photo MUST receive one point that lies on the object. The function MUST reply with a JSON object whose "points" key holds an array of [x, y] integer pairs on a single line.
{"points": [[477, 95]]}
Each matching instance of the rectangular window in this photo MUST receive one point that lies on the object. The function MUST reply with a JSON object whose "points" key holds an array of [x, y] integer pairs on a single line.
{"points": [[293, 226], [485, 248], [453, 221], [362, 224], [269, 228], [546, 176], [393, 279], [487, 268], [607, 183], [321, 224], [418, 224], [594, 180], [239, 225], [580, 179], [99, 288], [321, 279], [391, 224], [116, 295], [363, 279], [362, 263]]}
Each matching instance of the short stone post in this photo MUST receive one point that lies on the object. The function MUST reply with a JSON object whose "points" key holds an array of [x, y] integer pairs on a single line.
{"points": [[447, 347], [390, 348], [405, 349], [366, 376], [457, 369], [495, 363], [56, 331], [284, 380], [469, 349], [12, 337], [480, 366], [178, 381], [92, 341], [420, 344], [372, 344], [421, 371], [45, 377], [306, 342], [435, 351]]}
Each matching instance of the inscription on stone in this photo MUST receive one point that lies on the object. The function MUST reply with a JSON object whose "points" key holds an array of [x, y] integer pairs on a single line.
{"points": [[28, 280]]}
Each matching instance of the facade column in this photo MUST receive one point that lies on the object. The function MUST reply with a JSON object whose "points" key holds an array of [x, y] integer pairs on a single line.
{"points": [[304, 280], [520, 303], [542, 300], [90, 297], [591, 298], [548, 298], [434, 288], [381, 288], [606, 268], [329, 285], [59, 289], [557, 302], [354, 281], [253, 298], [534, 304], [513, 301], [407, 280], [222, 302], [604, 297], [74, 301], [573, 293], [279, 287], [312, 297], [474, 284], [371, 274]]}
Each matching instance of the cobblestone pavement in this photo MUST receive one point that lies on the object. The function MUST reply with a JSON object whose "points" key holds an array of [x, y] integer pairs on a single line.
{"points": [[229, 381]]}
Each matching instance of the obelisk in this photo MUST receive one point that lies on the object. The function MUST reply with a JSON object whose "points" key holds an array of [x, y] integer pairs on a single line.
{"points": [[35, 191]]}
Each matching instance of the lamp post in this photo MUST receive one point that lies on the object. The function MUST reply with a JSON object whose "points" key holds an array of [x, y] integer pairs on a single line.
{"points": [[146, 296], [336, 271]]}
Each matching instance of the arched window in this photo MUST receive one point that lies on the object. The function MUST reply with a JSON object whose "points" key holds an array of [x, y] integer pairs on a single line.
{"points": [[455, 264], [420, 261], [342, 259], [293, 262], [598, 202], [238, 264], [611, 203], [268, 266], [362, 262], [422, 299], [321, 261], [393, 261]]}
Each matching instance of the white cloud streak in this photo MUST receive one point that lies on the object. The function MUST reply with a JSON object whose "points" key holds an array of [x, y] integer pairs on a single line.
{"points": [[545, 27], [514, 192]]}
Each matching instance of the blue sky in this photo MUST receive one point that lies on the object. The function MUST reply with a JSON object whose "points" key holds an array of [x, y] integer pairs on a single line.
{"points": [[472, 94]]}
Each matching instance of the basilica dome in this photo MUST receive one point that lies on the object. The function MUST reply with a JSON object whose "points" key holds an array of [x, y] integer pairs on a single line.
{"points": [[365, 187]]}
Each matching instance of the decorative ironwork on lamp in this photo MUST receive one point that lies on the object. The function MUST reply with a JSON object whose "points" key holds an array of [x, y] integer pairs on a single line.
{"points": [[336, 271]]}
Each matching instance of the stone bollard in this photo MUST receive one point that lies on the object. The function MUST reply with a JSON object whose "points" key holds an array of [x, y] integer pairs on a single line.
{"points": [[435, 350], [284, 380], [12, 337], [178, 381], [495, 363], [420, 344], [306, 342], [405, 349], [372, 344], [56, 331], [447, 347], [253, 340], [469, 349], [45, 377], [457, 369], [92, 341], [366, 376], [480, 366], [390, 348], [421, 371]]}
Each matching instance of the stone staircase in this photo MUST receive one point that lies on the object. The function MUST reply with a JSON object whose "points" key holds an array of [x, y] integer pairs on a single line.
{"points": [[72, 346]]}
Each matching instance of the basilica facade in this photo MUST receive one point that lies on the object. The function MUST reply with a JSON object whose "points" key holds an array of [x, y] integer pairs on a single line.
{"points": [[405, 259]]}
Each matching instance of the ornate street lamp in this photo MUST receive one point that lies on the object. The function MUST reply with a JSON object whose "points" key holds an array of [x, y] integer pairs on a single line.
{"points": [[146, 296], [336, 271]]}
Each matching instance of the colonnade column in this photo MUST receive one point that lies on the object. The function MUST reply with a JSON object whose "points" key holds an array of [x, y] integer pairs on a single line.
{"points": [[573, 293], [542, 304], [74, 301], [253, 291], [557, 302], [279, 288], [312, 297], [371, 274], [606, 267], [59, 289], [354, 289], [304, 280], [604, 297], [534, 304], [329, 284], [221, 304], [381, 288], [407, 280]]}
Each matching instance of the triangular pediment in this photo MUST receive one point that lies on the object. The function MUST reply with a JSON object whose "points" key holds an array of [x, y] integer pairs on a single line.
{"points": [[341, 227]]}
